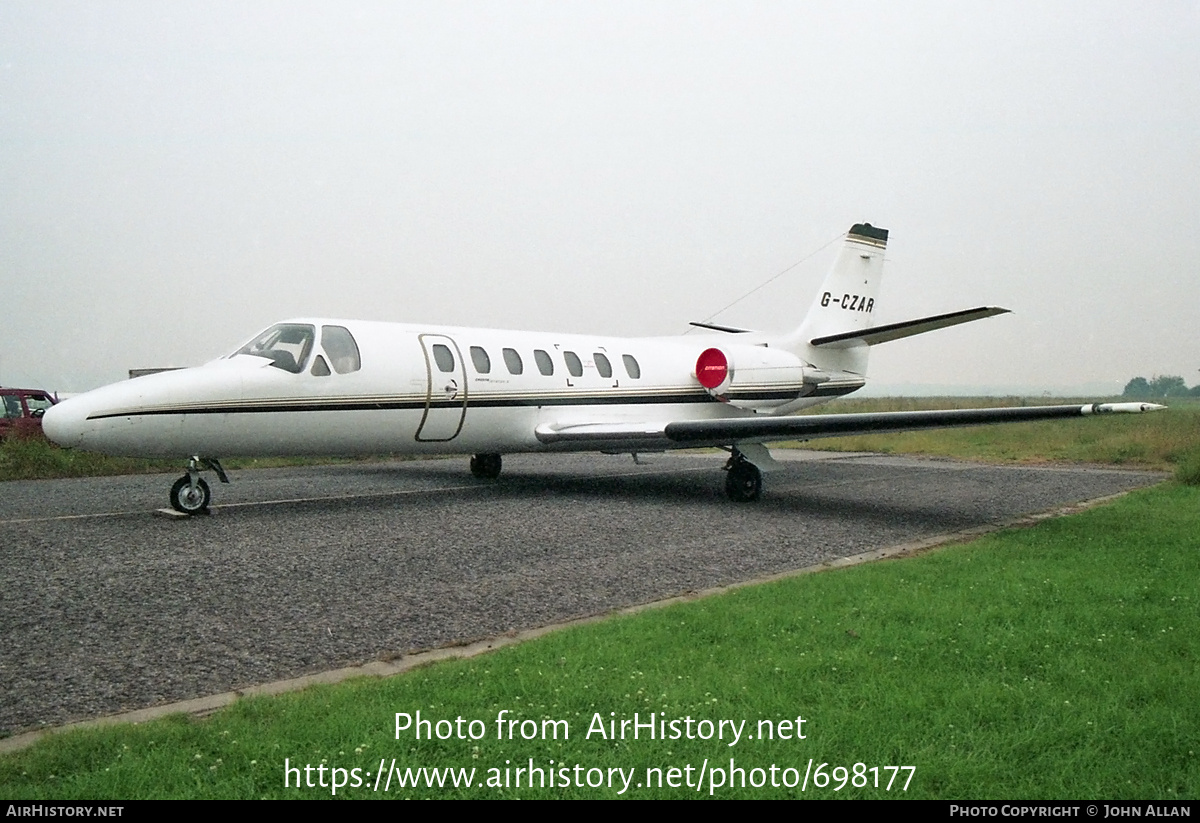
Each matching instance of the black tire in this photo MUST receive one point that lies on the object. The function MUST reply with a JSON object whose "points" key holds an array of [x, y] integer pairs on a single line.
{"points": [[486, 466], [183, 499], [743, 482]]}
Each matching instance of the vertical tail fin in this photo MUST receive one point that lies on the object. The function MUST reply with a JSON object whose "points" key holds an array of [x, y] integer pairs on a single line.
{"points": [[847, 299]]}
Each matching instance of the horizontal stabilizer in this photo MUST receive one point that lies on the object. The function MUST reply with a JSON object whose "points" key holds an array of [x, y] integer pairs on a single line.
{"points": [[894, 331]]}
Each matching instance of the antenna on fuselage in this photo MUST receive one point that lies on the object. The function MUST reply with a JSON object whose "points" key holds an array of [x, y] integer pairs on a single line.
{"points": [[707, 322]]}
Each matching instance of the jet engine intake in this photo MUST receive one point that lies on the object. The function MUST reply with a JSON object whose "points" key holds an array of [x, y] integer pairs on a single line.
{"points": [[753, 377]]}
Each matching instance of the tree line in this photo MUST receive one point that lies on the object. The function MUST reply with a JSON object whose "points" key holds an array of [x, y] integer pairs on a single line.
{"points": [[1161, 386]]}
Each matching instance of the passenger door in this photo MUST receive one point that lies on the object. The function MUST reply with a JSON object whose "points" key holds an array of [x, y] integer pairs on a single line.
{"points": [[446, 389]]}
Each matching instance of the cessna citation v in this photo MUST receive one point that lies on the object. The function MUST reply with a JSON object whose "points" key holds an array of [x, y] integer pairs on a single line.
{"points": [[338, 387]]}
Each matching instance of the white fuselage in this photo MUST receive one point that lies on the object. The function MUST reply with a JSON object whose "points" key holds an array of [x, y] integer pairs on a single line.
{"points": [[406, 397]]}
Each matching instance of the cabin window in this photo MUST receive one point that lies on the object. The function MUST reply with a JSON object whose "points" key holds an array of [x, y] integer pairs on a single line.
{"points": [[320, 367], [443, 357], [286, 345], [339, 345], [574, 366], [602, 364], [483, 363], [513, 361], [544, 363], [631, 366]]}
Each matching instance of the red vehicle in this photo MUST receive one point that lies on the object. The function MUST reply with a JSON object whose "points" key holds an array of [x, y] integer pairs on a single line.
{"points": [[21, 411]]}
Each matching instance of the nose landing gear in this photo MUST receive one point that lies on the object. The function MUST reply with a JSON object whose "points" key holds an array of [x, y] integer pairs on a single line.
{"points": [[190, 494]]}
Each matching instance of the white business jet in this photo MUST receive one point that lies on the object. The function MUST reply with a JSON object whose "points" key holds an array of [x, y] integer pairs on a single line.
{"points": [[339, 387]]}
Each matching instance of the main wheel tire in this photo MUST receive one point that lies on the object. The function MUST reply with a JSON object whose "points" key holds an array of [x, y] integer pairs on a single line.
{"points": [[188, 500], [486, 466], [743, 482]]}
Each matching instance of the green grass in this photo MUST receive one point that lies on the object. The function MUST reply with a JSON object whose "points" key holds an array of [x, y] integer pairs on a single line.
{"points": [[1058, 661], [34, 458], [1188, 468], [1158, 440]]}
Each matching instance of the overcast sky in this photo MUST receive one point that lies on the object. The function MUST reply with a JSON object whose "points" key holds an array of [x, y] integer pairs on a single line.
{"points": [[175, 177]]}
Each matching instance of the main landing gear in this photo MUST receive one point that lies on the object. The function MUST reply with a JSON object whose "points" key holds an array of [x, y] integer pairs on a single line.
{"points": [[486, 466], [190, 494], [743, 483]]}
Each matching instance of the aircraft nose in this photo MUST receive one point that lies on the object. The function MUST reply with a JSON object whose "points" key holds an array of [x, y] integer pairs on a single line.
{"points": [[64, 423]]}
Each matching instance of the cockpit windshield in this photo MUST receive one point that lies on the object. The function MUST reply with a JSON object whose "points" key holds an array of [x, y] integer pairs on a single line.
{"points": [[286, 345]]}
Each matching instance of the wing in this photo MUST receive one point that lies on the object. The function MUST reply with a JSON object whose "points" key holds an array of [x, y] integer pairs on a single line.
{"points": [[731, 431]]}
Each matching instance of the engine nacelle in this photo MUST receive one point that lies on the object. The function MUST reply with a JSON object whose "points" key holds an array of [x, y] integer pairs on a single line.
{"points": [[754, 377]]}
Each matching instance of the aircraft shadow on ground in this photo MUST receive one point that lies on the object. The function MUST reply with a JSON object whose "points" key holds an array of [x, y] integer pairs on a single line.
{"points": [[800, 492]]}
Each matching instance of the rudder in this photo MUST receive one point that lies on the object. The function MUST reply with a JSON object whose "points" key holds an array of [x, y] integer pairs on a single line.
{"points": [[847, 299]]}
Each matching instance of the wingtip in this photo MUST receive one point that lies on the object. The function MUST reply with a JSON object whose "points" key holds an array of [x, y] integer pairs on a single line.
{"points": [[1122, 408]]}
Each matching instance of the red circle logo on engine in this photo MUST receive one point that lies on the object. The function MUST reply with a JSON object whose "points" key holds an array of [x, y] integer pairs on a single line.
{"points": [[711, 368]]}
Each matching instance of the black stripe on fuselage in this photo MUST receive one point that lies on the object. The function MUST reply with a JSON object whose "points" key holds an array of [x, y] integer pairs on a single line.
{"points": [[409, 405], [485, 402]]}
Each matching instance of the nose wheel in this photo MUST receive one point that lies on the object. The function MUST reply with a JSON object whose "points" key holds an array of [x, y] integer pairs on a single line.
{"points": [[189, 497], [190, 494], [743, 481]]}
